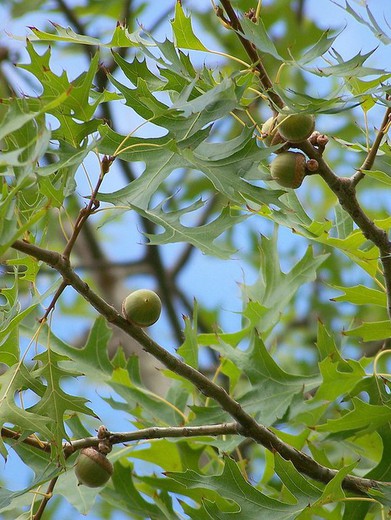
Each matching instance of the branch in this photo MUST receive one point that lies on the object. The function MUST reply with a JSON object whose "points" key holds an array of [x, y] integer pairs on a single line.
{"points": [[252, 54], [248, 425], [370, 158], [121, 437], [91, 206], [345, 189]]}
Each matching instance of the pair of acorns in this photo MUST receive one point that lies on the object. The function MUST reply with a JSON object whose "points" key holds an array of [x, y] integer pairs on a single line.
{"points": [[142, 308], [288, 168]]}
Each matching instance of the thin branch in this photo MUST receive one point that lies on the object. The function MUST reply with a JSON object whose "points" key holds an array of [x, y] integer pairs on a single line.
{"points": [[345, 189], [214, 430], [55, 298], [231, 428], [48, 495], [249, 427], [252, 54], [90, 208], [370, 158], [31, 440]]}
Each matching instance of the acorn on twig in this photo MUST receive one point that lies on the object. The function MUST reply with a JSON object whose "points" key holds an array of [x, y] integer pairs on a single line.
{"points": [[142, 307], [295, 127], [93, 469], [289, 169]]}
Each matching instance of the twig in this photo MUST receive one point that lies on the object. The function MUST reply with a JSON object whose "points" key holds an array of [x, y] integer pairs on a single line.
{"points": [[370, 158], [249, 427], [156, 432], [52, 304], [120, 438], [90, 208], [81, 220], [252, 54], [31, 440], [345, 189], [48, 495]]}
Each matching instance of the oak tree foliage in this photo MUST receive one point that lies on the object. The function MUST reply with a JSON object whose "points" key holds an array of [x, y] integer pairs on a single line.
{"points": [[132, 156]]}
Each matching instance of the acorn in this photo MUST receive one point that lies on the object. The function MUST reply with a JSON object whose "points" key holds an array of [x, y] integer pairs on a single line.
{"points": [[270, 134], [93, 469], [142, 307], [295, 127], [289, 169]]}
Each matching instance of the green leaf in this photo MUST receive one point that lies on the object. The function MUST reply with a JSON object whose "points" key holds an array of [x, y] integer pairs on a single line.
{"points": [[136, 69], [161, 452], [338, 378], [184, 36], [189, 348], [212, 105], [371, 331], [274, 288], [121, 37], [326, 345], [92, 359], [202, 237], [362, 419], [379, 176], [351, 68], [361, 295], [125, 497], [54, 402], [333, 490], [343, 222], [377, 31], [321, 47], [256, 33], [15, 379], [151, 409], [162, 156], [227, 164], [272, 389], [251, 503]]}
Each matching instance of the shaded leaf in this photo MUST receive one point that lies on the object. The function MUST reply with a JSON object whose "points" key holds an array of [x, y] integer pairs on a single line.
{"points": [[202, 237]]}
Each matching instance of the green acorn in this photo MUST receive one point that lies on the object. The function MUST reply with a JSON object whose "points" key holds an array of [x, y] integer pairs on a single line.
{"points": [[93, 469], [142, 307], [289, 169], [295, 127]]}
